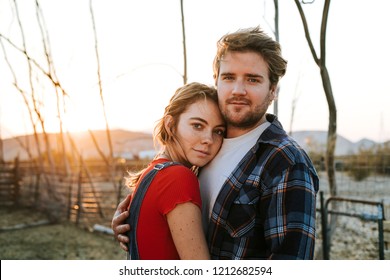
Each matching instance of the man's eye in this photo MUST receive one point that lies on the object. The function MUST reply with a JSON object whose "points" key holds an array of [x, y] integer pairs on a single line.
{"points": [[227, 78], [253, 80]]}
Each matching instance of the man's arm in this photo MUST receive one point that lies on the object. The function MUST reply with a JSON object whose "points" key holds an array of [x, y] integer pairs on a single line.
{"points": [[118, 223], [292, 215]]}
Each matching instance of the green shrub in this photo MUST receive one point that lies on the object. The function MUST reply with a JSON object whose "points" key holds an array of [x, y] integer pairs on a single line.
{"points": [[359, 174]]}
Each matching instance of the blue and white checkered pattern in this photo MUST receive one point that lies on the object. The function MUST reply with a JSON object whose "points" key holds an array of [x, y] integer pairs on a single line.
{"points": [[266, 208]]}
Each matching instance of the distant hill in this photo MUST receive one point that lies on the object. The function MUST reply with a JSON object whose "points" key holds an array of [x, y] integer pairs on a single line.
{"points": [[316, 140], [125, 144], [129, 144]]}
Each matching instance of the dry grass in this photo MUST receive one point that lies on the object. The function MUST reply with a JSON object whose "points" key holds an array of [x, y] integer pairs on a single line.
{"points": [[52, 242]]}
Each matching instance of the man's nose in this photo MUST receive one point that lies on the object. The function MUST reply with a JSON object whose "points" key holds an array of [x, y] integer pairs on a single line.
{"points": [[239, 87]]}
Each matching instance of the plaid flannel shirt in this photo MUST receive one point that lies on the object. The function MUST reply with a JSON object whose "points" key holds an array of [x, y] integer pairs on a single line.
{"points": [[266, 209]]}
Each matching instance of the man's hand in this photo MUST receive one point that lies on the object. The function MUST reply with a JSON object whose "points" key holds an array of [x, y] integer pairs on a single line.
{"points": [[118, 223]]}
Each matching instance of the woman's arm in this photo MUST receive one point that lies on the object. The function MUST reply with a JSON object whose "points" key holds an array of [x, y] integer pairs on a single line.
{"points": [[185, 224]]}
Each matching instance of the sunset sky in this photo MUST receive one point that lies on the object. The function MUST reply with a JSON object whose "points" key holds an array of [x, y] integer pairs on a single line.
{"points": [[140, 47]]}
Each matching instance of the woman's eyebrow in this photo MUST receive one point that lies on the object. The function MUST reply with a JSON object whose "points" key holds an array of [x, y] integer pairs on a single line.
{"points": [[198, 119]]}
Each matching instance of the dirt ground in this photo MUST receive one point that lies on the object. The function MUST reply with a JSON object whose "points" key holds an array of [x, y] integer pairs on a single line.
{"points": [[51, 241], [353, 239], [68, 242]]}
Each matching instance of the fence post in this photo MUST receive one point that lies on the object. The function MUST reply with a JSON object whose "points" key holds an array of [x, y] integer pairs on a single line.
{"points": [[380, 230], [119, 194], [79, 202], [70, 198], [324, 225], [17, 179], [36, 189]]}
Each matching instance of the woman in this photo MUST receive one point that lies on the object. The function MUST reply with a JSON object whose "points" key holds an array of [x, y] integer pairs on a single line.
{"points": [[168, 222]]}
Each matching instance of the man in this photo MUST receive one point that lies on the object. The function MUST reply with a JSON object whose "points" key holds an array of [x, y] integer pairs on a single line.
{"points": [[259, 193]]}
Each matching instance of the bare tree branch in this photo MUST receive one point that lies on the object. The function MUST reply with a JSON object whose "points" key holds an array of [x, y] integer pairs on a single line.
{"points": [[276, 23], [326, 83], [275, 30], [307, 32], [109, 162], [100, 81], [35, 63], [184, 43], [324, 24], [51, 193], [276, 19], [52, 73]]}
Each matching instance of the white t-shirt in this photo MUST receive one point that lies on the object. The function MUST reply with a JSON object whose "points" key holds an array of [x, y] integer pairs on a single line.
{"points": [[213, 176]]}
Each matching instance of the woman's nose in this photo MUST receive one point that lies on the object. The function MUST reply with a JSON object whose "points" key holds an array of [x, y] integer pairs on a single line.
{"points": [[207, 138]]}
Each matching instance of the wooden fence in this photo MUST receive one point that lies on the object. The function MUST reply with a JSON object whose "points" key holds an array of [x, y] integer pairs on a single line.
{"points": [[9, 183], [88, 196]]}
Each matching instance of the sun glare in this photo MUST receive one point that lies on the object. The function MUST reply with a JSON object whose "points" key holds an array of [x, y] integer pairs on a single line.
{"points": [[83, 120]]}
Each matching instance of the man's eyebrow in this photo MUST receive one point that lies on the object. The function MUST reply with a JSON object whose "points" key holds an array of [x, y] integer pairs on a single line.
{"points": [[251, 75], [227, 73], [254, 75]]}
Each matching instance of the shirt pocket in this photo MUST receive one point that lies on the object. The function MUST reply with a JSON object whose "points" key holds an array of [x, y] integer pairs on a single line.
{"points": [[242, 217]]}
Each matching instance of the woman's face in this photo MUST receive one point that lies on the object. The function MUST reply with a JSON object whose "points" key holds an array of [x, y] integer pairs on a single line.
{"points": [[199, 131]]}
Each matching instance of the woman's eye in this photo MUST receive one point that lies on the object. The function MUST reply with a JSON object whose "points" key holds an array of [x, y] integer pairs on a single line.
{"points": [[220, 132], [197, 125]]}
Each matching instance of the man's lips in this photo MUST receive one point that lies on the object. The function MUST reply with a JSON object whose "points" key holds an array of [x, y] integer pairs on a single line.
{"points": [[238, 102]]}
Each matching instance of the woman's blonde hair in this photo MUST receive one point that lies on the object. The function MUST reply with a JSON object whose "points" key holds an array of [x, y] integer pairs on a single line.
{"points": [[184, 97]]}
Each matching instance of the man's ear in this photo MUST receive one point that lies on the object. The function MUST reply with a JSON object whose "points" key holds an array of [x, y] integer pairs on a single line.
{"points": [[274, 92]]}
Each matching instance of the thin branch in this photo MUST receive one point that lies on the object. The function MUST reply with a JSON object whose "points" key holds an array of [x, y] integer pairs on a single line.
{"points": [[276, 32], [100, 81], [276, 21], [184, 43], [52, 73], [34, 62], [33, 97], [110, 165], [25, 99], [307, 33], [324, 24]]}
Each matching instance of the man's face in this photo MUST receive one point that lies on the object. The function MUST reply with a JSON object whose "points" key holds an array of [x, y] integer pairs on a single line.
{"points": [[244, 91]]}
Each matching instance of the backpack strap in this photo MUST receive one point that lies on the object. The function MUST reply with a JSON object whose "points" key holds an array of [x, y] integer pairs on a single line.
{"points": [[135, 207]]}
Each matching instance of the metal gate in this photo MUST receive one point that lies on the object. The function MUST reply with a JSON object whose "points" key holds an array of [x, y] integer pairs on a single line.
{"points": [[376, 215]]}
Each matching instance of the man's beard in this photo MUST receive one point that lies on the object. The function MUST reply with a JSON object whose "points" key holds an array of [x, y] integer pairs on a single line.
{"points": [[250, 119]]}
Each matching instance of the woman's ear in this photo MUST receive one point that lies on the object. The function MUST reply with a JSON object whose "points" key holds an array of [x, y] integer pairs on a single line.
{"points": [[168, 125]]}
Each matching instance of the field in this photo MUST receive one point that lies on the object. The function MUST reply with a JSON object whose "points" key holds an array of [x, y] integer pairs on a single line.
{"points": [[52, 241], [354, 238]]}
